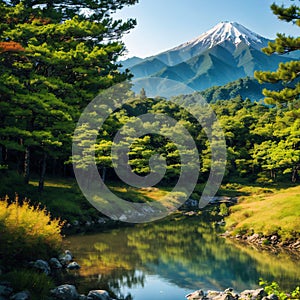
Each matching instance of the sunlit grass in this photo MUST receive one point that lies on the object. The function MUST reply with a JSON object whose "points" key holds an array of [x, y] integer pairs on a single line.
{"points": [[268, 214]]}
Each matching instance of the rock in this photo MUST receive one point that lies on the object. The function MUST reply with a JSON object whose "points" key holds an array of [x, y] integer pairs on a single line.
{"points": [[271, 297], [75, 223], [211, 294], [73, 266], [192, 203], [66, 258], [55, 264], [5, 290], [253, 237], [224, 296], [101, 221], [221, 223], [65, 292], [195, 295], [25, 295], [42, 266], [253, 294], [98, 295], [82, 297], [274, 238]]}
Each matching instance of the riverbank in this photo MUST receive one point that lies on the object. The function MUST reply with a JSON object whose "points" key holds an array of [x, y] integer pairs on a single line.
{"points": [[267, 218]]}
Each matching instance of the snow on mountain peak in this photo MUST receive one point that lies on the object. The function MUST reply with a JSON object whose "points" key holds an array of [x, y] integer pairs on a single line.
{"points": [[226, 31]]}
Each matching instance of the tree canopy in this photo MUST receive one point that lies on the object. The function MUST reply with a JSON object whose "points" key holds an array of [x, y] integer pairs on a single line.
{"points": [[287, 73]]}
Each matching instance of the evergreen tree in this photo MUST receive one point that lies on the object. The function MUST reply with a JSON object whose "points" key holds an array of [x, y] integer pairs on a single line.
{"points": [[287, 73], [55, 57]]}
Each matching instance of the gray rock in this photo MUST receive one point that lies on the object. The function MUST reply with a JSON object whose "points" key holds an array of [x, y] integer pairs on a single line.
{"points": [[82, 297], [42, 266], [253, 294], [55, 264], [98, 295], [25, 295], [65, 292], [65, 258], [73, 266], [5, 290]]}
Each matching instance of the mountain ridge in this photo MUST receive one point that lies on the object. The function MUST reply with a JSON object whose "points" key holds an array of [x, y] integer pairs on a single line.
{"points": [[225, 53]]}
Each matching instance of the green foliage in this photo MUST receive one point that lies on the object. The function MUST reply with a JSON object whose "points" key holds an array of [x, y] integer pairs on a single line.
{"points": [[287, 73], [274, 288], [224, 210], [54, 61], [38, 284]]}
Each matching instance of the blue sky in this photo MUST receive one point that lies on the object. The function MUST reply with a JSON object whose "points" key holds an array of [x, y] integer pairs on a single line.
{"points": [[163, 24]]}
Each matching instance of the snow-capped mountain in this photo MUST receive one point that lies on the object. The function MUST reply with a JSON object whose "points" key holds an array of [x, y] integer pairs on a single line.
{"points": [[224, 53], [226, 31]]}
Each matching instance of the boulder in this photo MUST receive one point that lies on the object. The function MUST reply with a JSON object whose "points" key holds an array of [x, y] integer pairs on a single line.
{"points": [[5, 290], [98, 295], [73, 266], [25, 295], [42, 266], [258, 294], [55, 264], [65, 292]]}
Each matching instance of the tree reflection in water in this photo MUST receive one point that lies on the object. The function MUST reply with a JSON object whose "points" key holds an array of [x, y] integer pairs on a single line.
{"points": [[186, 252]]}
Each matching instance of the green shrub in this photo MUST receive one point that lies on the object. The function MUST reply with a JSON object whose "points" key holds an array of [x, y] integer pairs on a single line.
{"points": [[224, 210], [274, 288]]}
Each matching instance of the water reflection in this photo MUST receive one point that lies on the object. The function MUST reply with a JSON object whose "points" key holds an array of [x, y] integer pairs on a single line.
{"points": [[184, 253]]}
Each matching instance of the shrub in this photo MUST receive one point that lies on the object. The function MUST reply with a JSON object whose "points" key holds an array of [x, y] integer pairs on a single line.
{"points": [[274, 288], [27, 232]]}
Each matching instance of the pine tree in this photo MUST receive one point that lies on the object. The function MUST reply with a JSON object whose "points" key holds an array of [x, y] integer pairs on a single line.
{"points": [[55, 57], [287, 73]]}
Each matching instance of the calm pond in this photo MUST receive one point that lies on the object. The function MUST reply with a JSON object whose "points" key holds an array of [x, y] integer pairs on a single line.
{"points": [[166, 260]]}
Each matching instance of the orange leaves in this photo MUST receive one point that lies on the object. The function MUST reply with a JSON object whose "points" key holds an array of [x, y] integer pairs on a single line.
{"points": [[11, 47]]}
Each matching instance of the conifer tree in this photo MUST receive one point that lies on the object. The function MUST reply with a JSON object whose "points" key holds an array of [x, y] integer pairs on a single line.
{"points": [[287, 73], [55, 57]]}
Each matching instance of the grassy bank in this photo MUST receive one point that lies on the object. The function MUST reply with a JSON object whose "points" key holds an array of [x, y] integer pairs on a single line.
{"points": [[267, 212]]}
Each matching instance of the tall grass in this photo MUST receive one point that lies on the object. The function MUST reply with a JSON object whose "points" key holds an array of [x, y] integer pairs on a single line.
{"points": [[27, 232]]}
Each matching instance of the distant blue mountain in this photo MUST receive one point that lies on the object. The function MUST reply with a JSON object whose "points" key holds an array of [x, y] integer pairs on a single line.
{"points": [[223, 54]]}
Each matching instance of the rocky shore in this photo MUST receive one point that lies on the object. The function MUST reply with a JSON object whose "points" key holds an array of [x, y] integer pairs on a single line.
{"points": [[271, 242], [61, 292], [229, 294]]}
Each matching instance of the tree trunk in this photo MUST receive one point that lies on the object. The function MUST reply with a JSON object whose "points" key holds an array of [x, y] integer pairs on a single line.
{"points": [[43, 172], [295, 175], [27, 165]]}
